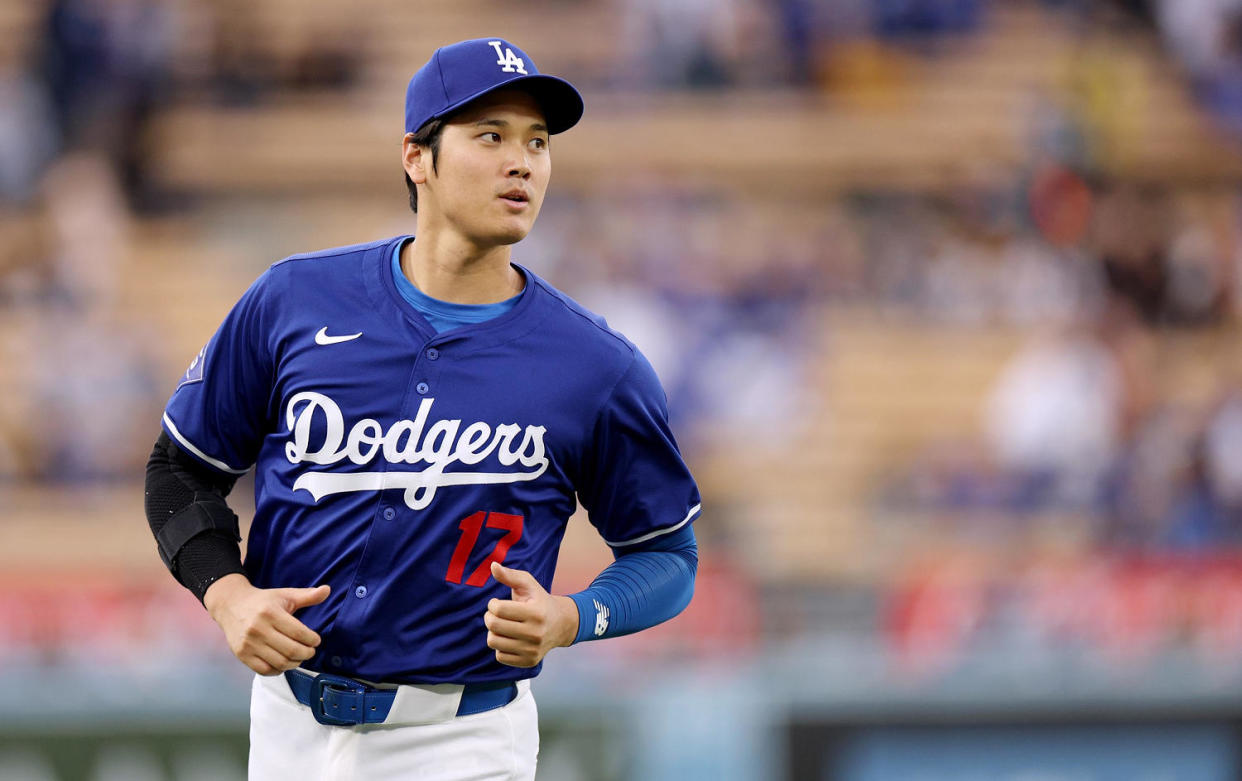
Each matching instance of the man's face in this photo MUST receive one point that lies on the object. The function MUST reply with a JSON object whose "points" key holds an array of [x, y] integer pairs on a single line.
{"points": [[493, 168]]}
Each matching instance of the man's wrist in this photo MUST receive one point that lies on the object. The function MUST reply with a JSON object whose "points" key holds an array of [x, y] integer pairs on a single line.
{"points": [[567, 609], [584, 607], [222, 589]]}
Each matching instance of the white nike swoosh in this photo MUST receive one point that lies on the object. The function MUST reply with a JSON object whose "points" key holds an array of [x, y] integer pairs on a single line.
{"points": [[323, 338]]}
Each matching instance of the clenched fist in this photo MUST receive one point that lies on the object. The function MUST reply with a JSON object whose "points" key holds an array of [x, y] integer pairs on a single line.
{"points": [[522, 630], [259, 623]]}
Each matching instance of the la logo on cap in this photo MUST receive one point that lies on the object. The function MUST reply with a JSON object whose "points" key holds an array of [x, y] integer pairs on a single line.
{"points": [[510, 62]]}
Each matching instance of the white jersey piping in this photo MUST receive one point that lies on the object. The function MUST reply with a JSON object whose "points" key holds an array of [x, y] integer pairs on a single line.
{"points": [[658, 532], [188, 445]]}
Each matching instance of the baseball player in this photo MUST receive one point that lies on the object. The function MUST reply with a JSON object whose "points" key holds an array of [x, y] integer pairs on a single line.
{"points": [[423, 416]]}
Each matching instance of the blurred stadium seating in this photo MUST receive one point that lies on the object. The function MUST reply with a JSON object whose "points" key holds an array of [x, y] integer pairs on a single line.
{"points": [[946, 304]]}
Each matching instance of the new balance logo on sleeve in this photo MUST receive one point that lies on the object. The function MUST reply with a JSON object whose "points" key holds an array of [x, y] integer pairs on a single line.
{"points": [[601, 618]]}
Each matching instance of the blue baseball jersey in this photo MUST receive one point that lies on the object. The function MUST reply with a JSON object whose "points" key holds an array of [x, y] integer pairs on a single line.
{"points": [[394, 463]]}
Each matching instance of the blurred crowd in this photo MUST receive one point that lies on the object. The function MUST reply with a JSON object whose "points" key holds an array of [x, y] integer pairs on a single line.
{"points": [[1081, 420], [93, 73], [1096, 272], [81, 376], [738, 279]]}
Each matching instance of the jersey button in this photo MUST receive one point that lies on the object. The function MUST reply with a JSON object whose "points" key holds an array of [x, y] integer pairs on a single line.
{"points": [[422, 388], [360, 592], [432, 354], [335, 661], [389, 513]]}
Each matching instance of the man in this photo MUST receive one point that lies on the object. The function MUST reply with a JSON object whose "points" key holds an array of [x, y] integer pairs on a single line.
{"points": [[423, 416]]}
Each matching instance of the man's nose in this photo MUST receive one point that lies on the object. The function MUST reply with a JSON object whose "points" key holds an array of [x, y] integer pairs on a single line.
{"points": [[519, 165]]}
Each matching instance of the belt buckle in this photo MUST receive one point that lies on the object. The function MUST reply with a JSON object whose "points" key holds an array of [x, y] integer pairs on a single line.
{"points": [[335, 683]]}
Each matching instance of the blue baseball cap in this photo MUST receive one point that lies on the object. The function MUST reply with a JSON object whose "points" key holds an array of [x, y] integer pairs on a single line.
{"points": [[465, 71]]}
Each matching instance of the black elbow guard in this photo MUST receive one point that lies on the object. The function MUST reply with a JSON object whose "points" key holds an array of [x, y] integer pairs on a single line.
{"points": [[195, 532], [208, 512]]}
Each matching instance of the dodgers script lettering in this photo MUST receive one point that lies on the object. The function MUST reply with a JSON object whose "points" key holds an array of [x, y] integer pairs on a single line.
{"points": [[441, 445]]}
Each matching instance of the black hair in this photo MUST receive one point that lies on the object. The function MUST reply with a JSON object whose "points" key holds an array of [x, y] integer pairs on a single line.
{"points": [[427, 136]]}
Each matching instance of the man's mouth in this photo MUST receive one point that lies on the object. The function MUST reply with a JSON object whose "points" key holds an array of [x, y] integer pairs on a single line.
{"points": [[515, 196]]}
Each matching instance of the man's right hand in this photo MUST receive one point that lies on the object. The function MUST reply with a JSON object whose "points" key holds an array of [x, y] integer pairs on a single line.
{"points": [[259, 623]]}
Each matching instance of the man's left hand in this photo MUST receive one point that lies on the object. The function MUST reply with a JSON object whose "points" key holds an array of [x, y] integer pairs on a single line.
{"points": [[522, 630]]}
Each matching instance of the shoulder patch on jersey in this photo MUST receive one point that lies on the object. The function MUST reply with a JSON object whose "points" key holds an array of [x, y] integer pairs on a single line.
{"points": [[195, 372]]}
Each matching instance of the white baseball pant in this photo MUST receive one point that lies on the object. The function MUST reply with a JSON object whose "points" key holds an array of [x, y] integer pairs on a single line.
{"points": [[286, 743]]}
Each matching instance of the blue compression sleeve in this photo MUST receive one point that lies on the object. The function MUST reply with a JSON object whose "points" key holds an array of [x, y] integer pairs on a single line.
{"points": [[646, 585]]}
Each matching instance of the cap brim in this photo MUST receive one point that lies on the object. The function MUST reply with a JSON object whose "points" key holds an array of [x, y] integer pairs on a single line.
{"points": [[561, 103]]}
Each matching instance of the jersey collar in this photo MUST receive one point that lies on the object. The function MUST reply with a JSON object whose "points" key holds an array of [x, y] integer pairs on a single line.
{"points": [[381, 286]]}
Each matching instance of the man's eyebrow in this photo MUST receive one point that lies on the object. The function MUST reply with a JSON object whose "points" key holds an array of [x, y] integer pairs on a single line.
{"points": [[491, 122]]}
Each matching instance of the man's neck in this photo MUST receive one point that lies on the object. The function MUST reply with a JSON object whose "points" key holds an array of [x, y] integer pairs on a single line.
{"points": [[448, 268]]}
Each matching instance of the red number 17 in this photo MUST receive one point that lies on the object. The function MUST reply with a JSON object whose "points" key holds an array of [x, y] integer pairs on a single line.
{"points": [[470, 528]]}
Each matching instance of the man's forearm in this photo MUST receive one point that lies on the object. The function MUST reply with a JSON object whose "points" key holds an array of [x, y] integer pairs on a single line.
{"points": [[204, 545], [640, 589]]}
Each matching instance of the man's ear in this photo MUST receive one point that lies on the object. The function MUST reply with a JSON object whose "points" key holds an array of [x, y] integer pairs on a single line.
{"points": [[415, 159]]}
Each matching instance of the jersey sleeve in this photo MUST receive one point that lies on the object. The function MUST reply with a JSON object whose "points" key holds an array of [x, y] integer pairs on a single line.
{"points": [[219, 410], [636, 487]]}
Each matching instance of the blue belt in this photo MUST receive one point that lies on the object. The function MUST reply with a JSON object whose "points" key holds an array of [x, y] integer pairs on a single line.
{"points": [[343, 702]]}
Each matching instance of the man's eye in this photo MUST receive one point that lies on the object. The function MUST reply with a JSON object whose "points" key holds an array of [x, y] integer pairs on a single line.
{"points": [[494, 137], [539, 143]]}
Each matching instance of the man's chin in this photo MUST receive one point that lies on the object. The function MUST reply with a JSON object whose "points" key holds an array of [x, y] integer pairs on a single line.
{"points": [[511, 235]]}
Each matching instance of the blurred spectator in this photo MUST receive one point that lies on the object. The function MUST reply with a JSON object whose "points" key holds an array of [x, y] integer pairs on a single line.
{"points": [[105, 63], [240, 72], [28, 134], [1130, 237], [1060, 203], [1200, 260], [1170, 264], [919, 20], [711, 44], [1179, 485], [1196, 284], [684, 42], [143, 38], [1198, 32], [1105, 84], [1207, 36], [1221, 452], [90, 227], [1055, 414], [799, 30], [1154, 484], [251, 60], [75, 65]]}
